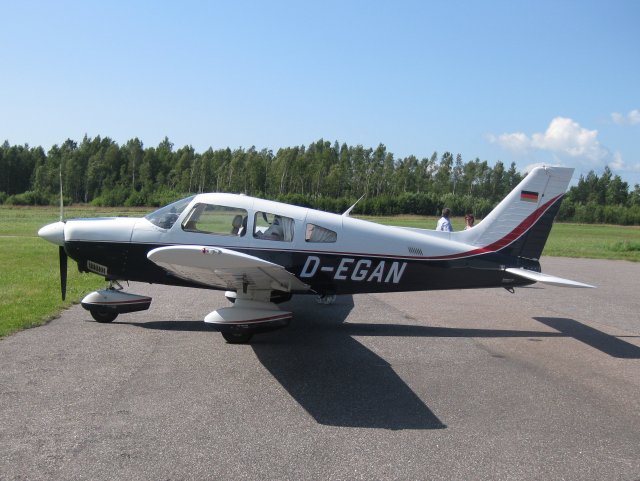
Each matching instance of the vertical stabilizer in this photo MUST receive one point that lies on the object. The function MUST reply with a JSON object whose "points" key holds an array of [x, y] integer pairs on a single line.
{"points": [[520, 224]]}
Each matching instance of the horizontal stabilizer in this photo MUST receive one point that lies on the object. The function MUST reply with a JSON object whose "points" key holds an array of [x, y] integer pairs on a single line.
{"points": [[545, 278]]}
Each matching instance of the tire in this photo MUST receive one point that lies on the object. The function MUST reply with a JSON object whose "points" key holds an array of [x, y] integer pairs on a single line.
{"points": [[278, 297], [326, 299], [237, 336], [102, 315]]}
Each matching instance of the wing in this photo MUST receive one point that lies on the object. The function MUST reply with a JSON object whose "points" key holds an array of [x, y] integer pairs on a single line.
{"points": [[545, 278], [224, 268]]}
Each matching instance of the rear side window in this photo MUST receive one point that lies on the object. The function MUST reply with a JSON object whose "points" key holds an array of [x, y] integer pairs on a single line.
{"points": [[316, 233], [216, 219]]}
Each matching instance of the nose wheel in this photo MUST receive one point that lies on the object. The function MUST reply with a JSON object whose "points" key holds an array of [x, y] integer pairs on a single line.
{"points": [[102, 315], [105, 305]]}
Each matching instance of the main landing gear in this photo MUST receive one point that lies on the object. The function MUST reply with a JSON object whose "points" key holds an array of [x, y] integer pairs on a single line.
{"points": [[237, 335], [251, 312]]}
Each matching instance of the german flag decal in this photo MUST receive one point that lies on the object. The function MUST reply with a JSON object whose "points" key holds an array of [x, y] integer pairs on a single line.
{"points": [[529, 196]]}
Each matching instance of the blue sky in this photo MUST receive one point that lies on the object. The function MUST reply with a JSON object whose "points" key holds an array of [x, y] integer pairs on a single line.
{"points": [[554, 82]]}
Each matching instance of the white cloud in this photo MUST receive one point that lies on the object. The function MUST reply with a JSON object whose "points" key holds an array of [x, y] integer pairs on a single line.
{"points": [[566, 143], [516, 142], [617, 163], [564, 137], [632, 118]]}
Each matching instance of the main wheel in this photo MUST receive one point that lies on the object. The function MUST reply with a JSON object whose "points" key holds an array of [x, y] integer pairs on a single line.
{"points": [[326, 299], [237, 336], [102, 315]]}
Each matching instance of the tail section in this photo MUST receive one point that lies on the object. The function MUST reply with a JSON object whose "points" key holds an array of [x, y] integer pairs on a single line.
{"points": [[520, 225]]}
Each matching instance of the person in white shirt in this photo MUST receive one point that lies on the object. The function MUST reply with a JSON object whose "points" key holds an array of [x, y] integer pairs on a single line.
{"points": [[444, 224]]}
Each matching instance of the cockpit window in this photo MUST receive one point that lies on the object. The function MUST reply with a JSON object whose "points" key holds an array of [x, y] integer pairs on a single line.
{"points": [[216, 219], [166, 216], [316, 233]]}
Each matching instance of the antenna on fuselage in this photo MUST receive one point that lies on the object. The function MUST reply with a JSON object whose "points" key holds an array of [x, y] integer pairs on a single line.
{"points": [[348, 211]]}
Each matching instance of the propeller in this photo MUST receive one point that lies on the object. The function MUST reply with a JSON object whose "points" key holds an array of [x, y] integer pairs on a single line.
{"points": [[54, 233], [61, 252], [63, 271]]}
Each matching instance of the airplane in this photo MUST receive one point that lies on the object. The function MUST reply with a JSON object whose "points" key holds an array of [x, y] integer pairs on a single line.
{"points": [[261, 252]]}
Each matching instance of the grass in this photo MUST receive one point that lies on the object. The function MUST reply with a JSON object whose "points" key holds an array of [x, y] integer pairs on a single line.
{"points": [[29, 269], [30, 280], [594, 241], [30, 283]]}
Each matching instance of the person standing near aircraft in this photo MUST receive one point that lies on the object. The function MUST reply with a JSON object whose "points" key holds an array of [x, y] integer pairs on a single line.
{"points": [[444, 224], [468, 220]]}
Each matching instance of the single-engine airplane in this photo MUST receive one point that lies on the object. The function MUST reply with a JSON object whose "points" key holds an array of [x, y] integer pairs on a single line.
{"points": [[262, 252]]}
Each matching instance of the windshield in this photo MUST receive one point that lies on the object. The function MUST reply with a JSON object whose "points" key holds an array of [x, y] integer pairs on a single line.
{"points": [[166, 216]]}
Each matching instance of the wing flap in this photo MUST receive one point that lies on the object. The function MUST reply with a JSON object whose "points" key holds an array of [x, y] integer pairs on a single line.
{"points": [[546, 278], [224, 268]]}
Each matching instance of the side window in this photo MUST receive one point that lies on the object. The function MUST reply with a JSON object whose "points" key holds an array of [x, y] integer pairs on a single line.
{"points": [[273, 227], [216, 219], [316, 233]]}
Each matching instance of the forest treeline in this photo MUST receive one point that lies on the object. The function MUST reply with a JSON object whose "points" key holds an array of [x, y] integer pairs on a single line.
{"points": [[324, 175]]}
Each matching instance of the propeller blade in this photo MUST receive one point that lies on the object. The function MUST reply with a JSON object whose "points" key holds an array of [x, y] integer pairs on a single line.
{"points": [[63, 272]]}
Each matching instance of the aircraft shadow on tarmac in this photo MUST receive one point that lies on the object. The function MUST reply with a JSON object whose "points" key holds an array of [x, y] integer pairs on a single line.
{"points": [[606, 343], [336, 379], [340, 382]]}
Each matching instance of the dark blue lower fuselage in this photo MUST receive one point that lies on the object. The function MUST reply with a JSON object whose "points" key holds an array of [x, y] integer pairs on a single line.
{"points": [[325, 272]]}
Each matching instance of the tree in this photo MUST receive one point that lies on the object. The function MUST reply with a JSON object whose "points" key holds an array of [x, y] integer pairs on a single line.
{"points": [[444, 174], [497, 182], [134, 155], [17, 164], [324, 174], [456, 174], [617, 192], [634, 197]]}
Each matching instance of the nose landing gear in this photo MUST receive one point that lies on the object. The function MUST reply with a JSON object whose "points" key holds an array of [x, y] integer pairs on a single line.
{"points": [[105, 304]]}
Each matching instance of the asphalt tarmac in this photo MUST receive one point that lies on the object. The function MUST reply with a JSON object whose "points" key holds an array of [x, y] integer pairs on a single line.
{"points": [[454, 385]]}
